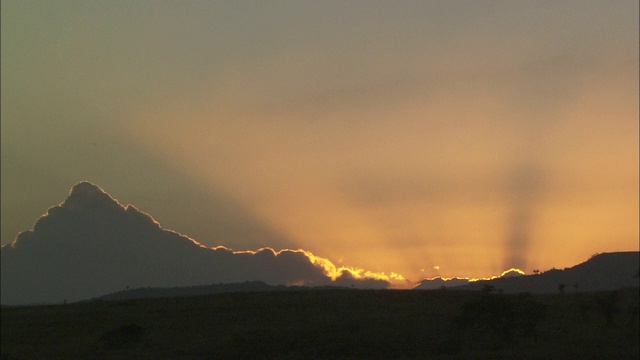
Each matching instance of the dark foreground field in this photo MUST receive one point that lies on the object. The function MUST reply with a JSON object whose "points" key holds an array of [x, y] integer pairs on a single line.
{"points": [[439, 324]]}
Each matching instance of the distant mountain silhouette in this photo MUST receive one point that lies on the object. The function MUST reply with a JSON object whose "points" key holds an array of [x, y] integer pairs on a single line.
{"points": [[248, 286], [438, 283], [91, 245], [603, 272]]}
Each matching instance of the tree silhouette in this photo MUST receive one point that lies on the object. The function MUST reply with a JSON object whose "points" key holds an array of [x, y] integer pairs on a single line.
{"points": [[561, 287]]}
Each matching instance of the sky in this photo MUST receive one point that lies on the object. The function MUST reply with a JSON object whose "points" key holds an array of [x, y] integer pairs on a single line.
{"points": [[423, 138]]}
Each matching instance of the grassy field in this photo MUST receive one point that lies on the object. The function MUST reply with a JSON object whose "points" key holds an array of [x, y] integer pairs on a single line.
{"points": [[352, 324]]}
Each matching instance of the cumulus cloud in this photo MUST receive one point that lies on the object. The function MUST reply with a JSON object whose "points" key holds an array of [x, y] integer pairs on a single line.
{"points": [[512, 273], [90, 245]]}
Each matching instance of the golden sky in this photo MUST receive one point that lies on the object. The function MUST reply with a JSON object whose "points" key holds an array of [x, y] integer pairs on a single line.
{"points": [[422, 137]]}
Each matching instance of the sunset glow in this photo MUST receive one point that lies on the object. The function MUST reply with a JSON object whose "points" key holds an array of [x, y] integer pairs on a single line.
{"points": [[382, 140]]}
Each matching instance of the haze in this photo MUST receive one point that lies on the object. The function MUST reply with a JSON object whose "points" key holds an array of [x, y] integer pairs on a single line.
{"points": [[423, 138]]}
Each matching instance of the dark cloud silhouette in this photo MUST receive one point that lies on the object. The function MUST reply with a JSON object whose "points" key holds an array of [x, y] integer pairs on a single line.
{"points": [[91, 245], [348, 279], [210, 214], [511, 273]]}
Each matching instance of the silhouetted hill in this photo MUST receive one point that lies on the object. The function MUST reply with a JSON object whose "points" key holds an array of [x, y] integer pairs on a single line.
{"points": [[91, 245], [204, 290], [437, 283], [607, 271], [152, 293]]}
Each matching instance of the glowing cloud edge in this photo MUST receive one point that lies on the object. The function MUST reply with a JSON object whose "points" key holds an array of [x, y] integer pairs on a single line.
{"points": [[329, 268]]}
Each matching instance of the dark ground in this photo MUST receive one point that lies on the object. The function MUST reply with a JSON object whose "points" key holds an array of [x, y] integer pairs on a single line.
{"points": [[323, 324]]}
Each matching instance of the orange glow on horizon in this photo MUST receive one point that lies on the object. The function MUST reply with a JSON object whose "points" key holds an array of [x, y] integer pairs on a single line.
{"points": [[403, 185], [311, 200]]}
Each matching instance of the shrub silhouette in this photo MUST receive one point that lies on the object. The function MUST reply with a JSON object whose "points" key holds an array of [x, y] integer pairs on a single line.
{"points": [[561, 288]]}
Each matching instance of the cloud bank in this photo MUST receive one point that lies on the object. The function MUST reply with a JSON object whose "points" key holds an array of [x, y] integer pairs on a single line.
{"points": [[91, 245]]}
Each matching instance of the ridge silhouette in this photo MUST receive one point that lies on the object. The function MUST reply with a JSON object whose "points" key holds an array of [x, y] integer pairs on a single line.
{"points": [[602, 272]]}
